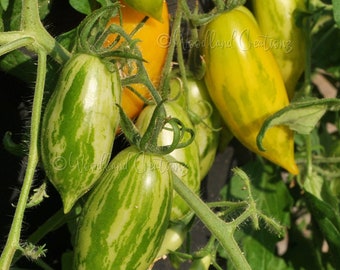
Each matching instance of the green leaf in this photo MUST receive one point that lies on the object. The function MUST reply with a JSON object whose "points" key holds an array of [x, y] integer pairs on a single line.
{"points": [[329, 222], [44, 8], [84, 6], [19, 64], [300, 116], [314, 184], [68, 39], [320, 188], [1, 20], [260, 254], [335, 71], [105, 3], [274, 200], [11, 16], [300, 247], [81, 6], [4, 4], [336, 11], [269, 191]]}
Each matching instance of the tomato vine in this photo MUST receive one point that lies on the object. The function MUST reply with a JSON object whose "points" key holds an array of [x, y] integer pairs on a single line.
{"points": [[314, 154]]}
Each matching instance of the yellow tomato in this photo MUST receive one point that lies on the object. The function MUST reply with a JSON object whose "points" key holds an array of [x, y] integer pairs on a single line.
{"points": [[153, 43], [245, 84]]}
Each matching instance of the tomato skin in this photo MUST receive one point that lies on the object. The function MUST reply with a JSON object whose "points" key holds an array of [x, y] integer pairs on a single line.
{"points": [[153, 43], [173, 239], [204, 116], [284, 38], [201, 263], [152, 8], [79, 125], [188, 155], [245, 84], [124, 219]]}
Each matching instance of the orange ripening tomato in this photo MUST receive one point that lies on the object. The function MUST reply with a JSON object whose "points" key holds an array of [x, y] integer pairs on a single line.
{"points": [[153, 43]]}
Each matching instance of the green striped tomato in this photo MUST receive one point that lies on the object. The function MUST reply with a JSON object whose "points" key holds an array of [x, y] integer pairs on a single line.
{"points": [[283, 37], [190, 174], [204, 117], [125, 218], [79, 126], [245, 84], [173, 239]]}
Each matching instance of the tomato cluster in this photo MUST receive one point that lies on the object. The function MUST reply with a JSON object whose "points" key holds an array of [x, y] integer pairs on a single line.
{"points": [[132, 205]]}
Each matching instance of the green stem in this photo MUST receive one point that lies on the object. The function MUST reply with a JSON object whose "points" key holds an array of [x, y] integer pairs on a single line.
{"points": [[14, 235], [16, 44], [32, 26], [309, 158], [53, 223], [252, 203], [43, 265], [176, 30], [234, 205], [221, 230], [220, 5]]}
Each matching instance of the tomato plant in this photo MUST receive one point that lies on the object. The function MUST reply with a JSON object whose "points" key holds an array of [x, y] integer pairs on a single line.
{"points": [[227, 156]]}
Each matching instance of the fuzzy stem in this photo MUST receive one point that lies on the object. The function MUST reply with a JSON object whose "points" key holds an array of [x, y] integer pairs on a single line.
{"points": [[221, 230], [10, 41], [13, 239], [53, 223], [176, 30], [309, 159], [31, 25]]}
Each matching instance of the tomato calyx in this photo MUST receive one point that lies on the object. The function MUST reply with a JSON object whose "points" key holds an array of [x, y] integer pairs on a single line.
{"points": [[179, 88], [159, 121], [91, 37]]}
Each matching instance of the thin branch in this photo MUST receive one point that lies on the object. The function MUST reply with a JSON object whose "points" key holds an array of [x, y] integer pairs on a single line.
{"points": [[13, 239]]}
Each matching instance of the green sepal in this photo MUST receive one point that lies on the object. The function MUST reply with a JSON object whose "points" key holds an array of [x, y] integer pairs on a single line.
{"points": [[128, 128]]}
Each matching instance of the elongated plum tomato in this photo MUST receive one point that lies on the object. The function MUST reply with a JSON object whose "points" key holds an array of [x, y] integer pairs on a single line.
{"points": [[245, 83], [125, 218], [79, 126], [283, 37], [203, 115], [153, 42], [189, 155]]}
